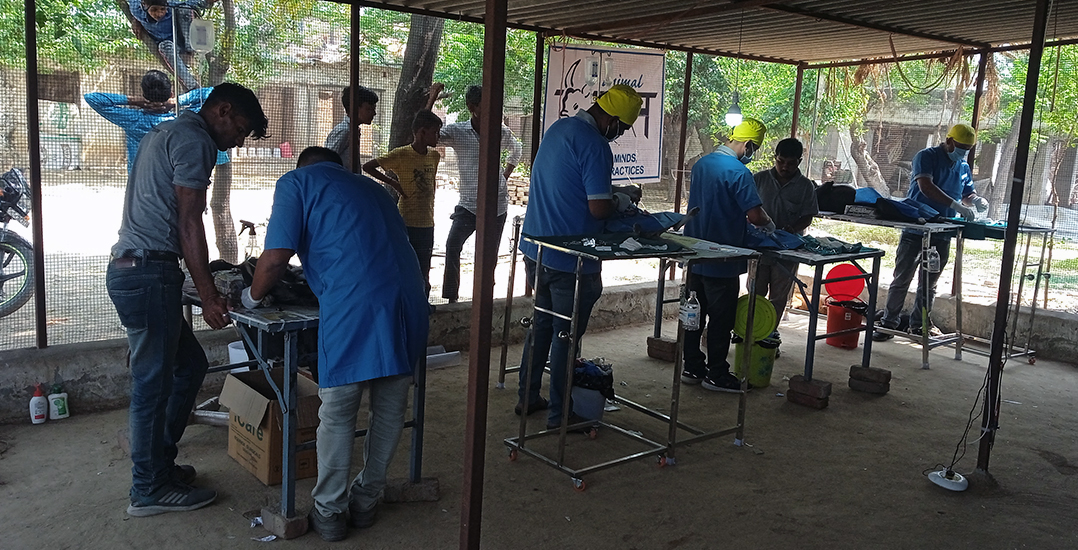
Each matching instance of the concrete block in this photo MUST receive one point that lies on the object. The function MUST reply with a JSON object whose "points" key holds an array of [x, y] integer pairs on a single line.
{"points": [[870, 374], [403, 490], [663, 349], [284, 527], [807, 400], [870, 387], [817, 388]]}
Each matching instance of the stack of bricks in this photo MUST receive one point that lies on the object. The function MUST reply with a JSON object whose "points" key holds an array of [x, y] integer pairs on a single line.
{"points": [[870, 379], [518, 190], [810, 393]]}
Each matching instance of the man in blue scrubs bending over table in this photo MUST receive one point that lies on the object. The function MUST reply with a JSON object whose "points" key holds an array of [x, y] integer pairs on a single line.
{"points": [[570, 194]]}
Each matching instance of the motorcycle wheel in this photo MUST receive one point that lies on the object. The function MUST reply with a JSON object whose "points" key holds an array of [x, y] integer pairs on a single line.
{"points": [[16, 273]]}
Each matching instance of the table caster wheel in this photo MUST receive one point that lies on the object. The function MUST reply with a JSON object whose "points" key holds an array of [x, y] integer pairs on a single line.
{"points": [[579, 485], [512, 455]]}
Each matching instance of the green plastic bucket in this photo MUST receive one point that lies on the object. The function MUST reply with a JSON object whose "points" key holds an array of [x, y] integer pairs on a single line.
{"points": [[761, 361]]}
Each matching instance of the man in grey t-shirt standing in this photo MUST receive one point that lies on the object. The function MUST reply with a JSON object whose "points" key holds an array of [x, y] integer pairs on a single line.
{"points": [[162, 223], [790, 198], [339, 139]]}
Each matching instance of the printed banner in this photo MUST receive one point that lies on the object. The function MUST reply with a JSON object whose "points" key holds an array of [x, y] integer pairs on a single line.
{"points": [[577, 75]]}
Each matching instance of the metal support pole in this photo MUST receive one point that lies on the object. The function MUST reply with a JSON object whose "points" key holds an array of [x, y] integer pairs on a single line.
{"points": [[990, 415], [486, 244], [682, 133], [978, 95], [290, 420], [353, 98], [537, 96], [419, 410], [814, 318], [797, 99], [33, 134]]}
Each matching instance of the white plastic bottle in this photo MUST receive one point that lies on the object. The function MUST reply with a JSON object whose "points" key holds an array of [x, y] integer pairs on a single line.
{"points": [[58, 403], [39, 407], [690, 313]]}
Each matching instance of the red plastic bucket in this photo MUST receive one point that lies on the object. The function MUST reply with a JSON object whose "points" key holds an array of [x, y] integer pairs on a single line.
{"points": [[840, 317], [850, 287]]}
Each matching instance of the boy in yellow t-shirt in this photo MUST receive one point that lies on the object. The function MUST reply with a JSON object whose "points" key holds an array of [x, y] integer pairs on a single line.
{"points": [[411, 170]]}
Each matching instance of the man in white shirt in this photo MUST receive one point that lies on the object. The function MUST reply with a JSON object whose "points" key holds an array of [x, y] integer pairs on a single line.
{"points": [[463, 137]]}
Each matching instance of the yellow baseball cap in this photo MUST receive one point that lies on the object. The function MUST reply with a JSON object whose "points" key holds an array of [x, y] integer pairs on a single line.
{"points": [[623, 102], [750, 129], [963, 133]]}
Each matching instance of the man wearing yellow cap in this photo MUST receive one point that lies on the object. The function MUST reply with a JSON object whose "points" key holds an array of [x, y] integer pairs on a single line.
{"points": [[941, 179], [725, 191], [570, 194]]}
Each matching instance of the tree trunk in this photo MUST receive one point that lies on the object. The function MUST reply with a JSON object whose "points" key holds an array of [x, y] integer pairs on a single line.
{"points": [[999, 190], [417, 74], [868, 172], [224, 227]]}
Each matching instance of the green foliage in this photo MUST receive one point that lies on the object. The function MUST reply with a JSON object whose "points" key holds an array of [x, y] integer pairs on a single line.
{"points": [[71, 34], [460, 64]]}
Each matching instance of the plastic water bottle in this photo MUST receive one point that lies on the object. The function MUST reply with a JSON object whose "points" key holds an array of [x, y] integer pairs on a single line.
{"points": [[690, 313], [58, 403], [39, 407], [932, 260]]}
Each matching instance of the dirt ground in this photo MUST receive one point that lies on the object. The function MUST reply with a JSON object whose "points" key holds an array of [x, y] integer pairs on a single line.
{"points": [[850, 476]]}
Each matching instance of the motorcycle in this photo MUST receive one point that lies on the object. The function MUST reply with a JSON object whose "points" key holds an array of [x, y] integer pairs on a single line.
{"points": [[16, 254]]}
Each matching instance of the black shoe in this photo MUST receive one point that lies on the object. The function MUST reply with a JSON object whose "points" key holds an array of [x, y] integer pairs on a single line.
{"points": [[183, 473], [172, 497], [361, 519], [332, 529], [573, 419], [724, 382], [691, 377], [878, 336], [534, 406]]}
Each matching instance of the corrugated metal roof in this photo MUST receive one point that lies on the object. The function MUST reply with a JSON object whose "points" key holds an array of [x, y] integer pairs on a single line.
{"points": [[789, 31]]}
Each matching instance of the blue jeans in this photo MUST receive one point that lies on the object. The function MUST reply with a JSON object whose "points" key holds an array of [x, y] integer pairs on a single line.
{"points": [[718, 306], [907, 264], [463, 227], [554, 291], [167, 365], [422, 241], [337, 435]]}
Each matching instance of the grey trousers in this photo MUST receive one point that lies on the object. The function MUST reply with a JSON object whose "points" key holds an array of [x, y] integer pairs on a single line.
{"points": [[336, 438]]}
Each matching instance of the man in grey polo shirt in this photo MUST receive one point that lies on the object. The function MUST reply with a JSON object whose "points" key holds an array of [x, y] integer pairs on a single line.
{"points": [[162, 223], [790, 198], [463, 137]]}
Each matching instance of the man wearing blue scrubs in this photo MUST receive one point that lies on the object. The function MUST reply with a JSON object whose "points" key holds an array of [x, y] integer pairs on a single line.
{"points": [[570, 194], [941, 179], [372, 328], [724, 190]]}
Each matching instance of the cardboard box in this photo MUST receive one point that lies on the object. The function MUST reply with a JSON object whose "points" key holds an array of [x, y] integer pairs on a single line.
{"points": [[255, 420]]}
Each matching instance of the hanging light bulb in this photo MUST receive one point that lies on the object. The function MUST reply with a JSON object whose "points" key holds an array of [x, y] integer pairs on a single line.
{"points": [[733, 116]]}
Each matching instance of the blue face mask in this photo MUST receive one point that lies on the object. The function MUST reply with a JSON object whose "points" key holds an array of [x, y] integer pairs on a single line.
{"points": [[747, 157], [958, 154]]}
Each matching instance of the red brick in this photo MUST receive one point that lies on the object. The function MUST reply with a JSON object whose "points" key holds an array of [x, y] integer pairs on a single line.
{"points": [[662, 349], [870, 387], [870, 374], [807, 400], [817, 388]]}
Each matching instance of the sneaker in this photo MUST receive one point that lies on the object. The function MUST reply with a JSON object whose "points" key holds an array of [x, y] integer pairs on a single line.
{"points": [[724, 382], [691, 377], [183, 473], [172, 497], [933, 330], [878, 336], [536, 405], [573, 419], [332, 529], [361, 519]]}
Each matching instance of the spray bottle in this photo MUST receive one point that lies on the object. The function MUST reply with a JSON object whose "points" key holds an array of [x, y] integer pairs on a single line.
{"points": [[39, 407], [58, 403]]}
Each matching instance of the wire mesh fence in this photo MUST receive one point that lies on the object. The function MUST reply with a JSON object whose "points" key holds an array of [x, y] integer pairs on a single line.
{"points": [[860, 126]]}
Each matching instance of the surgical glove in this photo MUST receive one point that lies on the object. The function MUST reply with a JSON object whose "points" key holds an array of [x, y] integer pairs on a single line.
{"points": [[247, 300], [623, 203], [980, 203], [768, 229], [963, 210]]}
